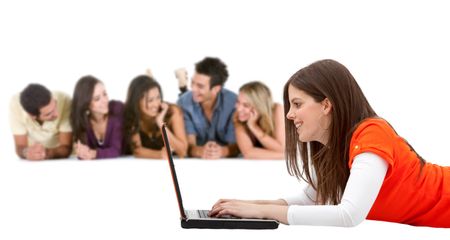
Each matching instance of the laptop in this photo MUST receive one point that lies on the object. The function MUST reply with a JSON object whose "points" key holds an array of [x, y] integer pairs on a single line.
{"points": [[199, 218]]}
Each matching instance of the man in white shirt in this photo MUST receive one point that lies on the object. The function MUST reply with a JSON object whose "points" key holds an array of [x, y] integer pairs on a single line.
{"points": [[40, 124]]}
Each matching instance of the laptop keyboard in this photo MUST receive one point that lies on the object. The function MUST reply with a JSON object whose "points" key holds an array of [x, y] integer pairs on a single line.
{"points": [[203, 214]]}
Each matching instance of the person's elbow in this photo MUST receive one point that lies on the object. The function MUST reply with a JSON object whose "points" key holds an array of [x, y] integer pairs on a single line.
{"points": [[247, 153], [352, 217], [354, 223], [138, 152], [185, 149], [182, 151], [67, 150], [19, 153]]}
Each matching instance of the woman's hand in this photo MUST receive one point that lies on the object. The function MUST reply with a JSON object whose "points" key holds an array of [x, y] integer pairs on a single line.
{"points": [[162, 114], [254, 117], [237, 208], [211, 150], [83, 152], [261, 209]]}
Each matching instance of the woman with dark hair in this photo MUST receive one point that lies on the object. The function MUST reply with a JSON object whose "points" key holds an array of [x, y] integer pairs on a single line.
{"points": [[96, 121], [354, 162], [145, 112]]}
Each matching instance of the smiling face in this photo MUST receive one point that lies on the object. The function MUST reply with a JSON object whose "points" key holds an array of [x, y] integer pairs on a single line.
{"points": [[311, 118], [150, 104], [100, 100], [201, 88], [243, 107]]}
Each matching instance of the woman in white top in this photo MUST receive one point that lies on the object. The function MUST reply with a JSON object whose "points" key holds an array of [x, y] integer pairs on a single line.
{"points": [[355, 164]]}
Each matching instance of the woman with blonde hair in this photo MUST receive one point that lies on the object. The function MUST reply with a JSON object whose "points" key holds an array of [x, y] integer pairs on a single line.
{"points": [[259, 123]]}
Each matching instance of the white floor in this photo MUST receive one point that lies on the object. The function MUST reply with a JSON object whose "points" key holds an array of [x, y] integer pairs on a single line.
{"points": [[134, 199]]}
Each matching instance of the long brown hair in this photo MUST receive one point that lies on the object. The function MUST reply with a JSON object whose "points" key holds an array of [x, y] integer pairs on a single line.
{"points": [[79, 114], [137, 90], [332, 80]]}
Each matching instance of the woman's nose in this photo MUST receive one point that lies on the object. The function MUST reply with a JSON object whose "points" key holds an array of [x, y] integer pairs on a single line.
{"points": [[290, 115], [154, 104]]}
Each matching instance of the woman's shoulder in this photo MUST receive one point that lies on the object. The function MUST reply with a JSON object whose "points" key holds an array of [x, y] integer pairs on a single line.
{"points": [[374, 135], [277, 108], [116, 111], [375, 121], [175, 109], [116, 107], [375, 127]]}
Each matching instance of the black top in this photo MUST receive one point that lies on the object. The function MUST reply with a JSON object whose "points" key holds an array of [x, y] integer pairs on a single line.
{"points": [[255, 141], [153, 141], [153, 138]]}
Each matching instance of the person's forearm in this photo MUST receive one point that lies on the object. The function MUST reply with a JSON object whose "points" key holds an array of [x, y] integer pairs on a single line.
{"points": [[261, 153], [147, 153], [366, 178], [266, 140], [231, 150], [179, 146], [21, 151], [195, 151], [276, 212], [58, 152], [271, 202]]}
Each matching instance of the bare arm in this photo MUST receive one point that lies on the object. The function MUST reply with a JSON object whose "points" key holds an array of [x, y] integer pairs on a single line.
{"points": [[280, 202], [21, 142], [177, 138], [276, 212], [249, 151], [230, 150], [64, 149], [194, 150], [249, 209], [33, 152], [261, 153], [275, 143]]}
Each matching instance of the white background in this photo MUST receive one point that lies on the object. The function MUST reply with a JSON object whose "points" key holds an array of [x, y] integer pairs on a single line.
{"points": [[397, 50]]}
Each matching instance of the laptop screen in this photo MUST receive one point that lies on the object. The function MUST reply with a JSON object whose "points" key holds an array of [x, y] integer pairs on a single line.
{"points": [[172, 171]]}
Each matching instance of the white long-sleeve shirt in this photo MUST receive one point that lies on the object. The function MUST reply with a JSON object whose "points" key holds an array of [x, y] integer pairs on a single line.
{"points": [[366, 177]]}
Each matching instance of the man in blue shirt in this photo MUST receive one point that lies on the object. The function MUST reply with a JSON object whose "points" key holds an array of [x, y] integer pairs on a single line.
{"points": [[208, 112]]}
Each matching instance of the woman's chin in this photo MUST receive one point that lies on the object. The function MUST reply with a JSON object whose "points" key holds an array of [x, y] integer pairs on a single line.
{"points": [[302, 139], [151, 115], [102, 111], [242, 119]]}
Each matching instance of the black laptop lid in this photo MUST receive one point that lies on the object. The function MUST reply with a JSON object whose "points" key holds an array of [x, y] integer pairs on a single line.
{"points": [[172, 171]]}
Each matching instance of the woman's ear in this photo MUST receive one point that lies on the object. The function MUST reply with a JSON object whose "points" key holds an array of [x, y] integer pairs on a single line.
{"points": [[326, 106]]}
